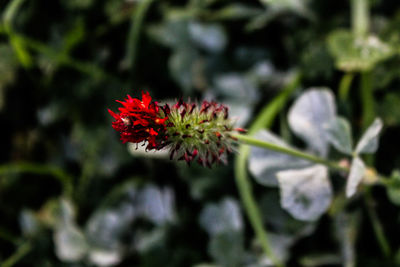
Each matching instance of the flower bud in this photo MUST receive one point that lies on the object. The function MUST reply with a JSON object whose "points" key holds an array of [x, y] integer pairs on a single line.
{"points": [[200, 133]]}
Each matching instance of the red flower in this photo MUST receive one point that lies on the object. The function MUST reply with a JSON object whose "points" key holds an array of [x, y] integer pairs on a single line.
{"points": [[190, 131], [140, 120]]}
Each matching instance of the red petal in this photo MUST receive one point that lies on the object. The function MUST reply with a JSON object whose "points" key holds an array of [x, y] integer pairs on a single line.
{"points": [[113, 114], [146, 99], [152, 132]]}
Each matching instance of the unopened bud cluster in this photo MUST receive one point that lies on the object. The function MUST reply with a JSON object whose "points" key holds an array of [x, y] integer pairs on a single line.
{"points": [[191, 131]]}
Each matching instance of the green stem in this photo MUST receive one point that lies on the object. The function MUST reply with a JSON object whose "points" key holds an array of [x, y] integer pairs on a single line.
{"points": [[62, 59], [377, 225], [10, 12], [289, 151], [249, 202], [19, 48], [22, 250], [84, 67], [360, 17], [344, 86], [134, 33], [244, 186], [64, 178], [367, 99]]}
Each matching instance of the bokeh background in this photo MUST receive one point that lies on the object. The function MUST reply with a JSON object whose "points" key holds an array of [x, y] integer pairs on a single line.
{"points": [[72, 195]]}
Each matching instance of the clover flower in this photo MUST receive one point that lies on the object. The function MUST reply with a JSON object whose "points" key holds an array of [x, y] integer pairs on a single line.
{"points": [[191, 131]]}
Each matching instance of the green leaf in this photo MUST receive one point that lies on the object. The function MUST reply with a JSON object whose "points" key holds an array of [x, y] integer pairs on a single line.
{"points": [[288, 4], [236, 87], [316, 61], [109, 228], [181, 65], [264, 164], [239, 111], [369, 141], [389, 110], [223, 222], [357, 172], [236, 11], [70, 243], [357, 54], [174, 33], [146, 241], [101, 257], [227, 248], [210, 37], [222, 217], [275, 9], [156, 204], [112, 219], [338, 132], [105, 229], [280, 244], [298, 7], [65, 212], [310, 112], [239, 93], [306, 193], [278, 219]]}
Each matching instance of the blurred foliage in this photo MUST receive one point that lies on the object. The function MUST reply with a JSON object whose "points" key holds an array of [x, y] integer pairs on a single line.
{"points": [[357, 54], [72, 195]]}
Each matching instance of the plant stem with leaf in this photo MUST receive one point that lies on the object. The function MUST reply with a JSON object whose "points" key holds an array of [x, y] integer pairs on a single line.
{"points": [[265, 119], [288, 151]]}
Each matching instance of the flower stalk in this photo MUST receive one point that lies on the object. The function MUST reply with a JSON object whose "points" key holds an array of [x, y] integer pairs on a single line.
{"points": [[289, 151], [244, 185]]}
